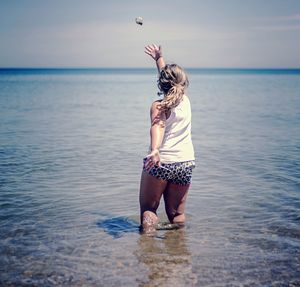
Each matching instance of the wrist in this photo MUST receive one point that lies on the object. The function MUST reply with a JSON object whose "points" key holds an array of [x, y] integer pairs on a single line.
{"points": [[154, 150], [158, 57]]}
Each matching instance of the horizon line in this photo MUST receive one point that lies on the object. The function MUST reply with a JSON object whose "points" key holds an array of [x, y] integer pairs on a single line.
{"points": [[128, 68]]}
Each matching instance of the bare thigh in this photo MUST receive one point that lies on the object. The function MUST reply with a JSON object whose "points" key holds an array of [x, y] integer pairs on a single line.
{"points": [[175, 197], [151, 190]]}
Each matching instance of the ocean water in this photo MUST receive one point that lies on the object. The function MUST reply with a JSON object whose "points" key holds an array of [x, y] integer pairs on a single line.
{"points": [[71, 149]]}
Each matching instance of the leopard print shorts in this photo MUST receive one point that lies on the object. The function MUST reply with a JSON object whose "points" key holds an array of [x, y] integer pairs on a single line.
{"points": [[178, 173]]}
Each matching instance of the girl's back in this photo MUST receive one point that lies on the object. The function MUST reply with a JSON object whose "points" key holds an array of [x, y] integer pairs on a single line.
{"points": [[177, 145]]}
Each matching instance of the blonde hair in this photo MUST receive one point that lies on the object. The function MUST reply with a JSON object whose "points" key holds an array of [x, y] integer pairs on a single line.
{"points": [[172, 83]]}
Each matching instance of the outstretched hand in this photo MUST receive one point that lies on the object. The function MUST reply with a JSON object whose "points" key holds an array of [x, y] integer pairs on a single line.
{"points": [[154, 51]]}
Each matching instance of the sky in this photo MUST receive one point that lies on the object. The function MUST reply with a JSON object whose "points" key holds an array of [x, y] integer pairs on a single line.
{"points": [[98, 33]]}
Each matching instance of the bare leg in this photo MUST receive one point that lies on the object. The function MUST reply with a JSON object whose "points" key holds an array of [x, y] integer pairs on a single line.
{"points": [[151, 190], [175, 198]]}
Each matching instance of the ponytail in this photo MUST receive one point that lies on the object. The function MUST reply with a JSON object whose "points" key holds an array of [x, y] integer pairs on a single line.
{"points": [[172, 83]]}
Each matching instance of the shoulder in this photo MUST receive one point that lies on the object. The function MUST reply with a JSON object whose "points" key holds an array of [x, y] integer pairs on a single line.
{"points": [[156, 111], [155, 105]]}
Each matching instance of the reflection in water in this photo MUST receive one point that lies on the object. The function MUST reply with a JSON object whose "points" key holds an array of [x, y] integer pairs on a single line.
{"points": [[167, 258]]}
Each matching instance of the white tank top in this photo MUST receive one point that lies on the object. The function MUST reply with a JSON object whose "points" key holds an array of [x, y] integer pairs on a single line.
{"points": [[177, 143]]}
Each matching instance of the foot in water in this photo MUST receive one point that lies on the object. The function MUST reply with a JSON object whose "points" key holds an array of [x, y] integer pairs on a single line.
{"points": [[169, 226]]}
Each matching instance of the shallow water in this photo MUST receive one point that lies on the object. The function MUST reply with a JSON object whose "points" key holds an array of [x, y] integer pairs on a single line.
{"points": [[71, 149]]}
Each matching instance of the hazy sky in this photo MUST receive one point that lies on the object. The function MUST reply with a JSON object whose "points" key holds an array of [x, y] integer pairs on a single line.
{"points": [[98, 33]]}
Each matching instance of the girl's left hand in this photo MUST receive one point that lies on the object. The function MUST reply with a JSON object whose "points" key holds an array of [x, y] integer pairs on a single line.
{"points": [[152, 159]]}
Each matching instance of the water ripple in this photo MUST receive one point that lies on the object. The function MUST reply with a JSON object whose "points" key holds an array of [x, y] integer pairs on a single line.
{"points": [[71, 149]]}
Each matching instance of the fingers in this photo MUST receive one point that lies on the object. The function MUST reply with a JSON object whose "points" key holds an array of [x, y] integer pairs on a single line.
{"points": [[150, 163], [153, 47], [148, 53], [148, 49]]}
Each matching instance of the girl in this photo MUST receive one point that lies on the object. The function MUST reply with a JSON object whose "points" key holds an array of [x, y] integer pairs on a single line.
{"points": [[168, 167]]}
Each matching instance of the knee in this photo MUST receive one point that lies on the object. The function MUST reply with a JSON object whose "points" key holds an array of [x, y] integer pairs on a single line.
{"points": [[149, 214], [149, 220]]}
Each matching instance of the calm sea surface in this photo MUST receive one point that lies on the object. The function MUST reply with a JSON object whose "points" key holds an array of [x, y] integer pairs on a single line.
{"points": [[71, 149]]}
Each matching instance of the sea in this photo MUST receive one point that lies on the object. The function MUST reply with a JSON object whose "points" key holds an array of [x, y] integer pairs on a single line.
{"points": [[71, 148]]}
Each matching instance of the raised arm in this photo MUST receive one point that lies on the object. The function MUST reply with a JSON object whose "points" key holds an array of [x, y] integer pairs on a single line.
{"points": [[155, 52]]}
